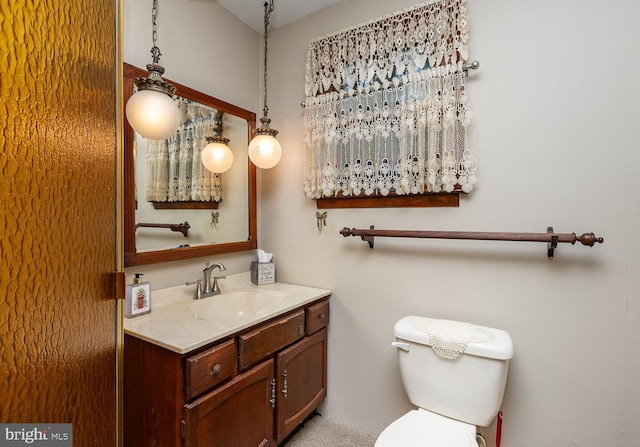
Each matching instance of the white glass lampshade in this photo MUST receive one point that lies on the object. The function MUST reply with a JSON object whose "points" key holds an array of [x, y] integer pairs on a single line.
{"points": [[153, 114], [265, 151], [217, 157]]}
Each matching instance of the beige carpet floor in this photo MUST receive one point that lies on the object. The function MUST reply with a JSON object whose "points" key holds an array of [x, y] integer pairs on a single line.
{"points": [[319, 432]]}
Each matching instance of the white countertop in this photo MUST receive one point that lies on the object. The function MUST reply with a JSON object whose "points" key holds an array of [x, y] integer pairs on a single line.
{"points": [[181, 324]]}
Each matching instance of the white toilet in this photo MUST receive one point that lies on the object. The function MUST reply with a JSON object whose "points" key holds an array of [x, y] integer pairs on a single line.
{"points": [[455, 373]]}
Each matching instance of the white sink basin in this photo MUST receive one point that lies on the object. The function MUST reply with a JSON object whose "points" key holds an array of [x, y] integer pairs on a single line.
{"points": [[234, 304]]}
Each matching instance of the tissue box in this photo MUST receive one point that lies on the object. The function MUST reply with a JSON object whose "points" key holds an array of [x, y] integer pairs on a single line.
{"points": [[263, 272]]}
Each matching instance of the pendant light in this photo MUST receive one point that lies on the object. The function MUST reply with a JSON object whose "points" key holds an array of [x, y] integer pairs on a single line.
{"points": [[264, 150], [151, 111], [216, 156]]}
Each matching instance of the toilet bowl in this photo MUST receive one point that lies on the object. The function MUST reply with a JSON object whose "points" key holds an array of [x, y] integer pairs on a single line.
{"points": [[455, 373], [422, 428]]}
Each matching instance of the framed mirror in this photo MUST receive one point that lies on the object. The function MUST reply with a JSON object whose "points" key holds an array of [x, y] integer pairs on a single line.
{"points": [[176, 228]]}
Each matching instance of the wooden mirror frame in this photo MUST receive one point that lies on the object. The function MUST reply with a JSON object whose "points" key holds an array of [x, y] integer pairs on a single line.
{"points": [[131, 256]]}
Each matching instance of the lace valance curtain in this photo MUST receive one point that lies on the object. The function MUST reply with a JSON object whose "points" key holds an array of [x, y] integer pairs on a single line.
{"points": [[174, 169], [386, 109]]}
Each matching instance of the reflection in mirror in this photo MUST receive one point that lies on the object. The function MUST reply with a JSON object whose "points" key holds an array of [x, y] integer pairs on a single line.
{"points": [[188, 181], [171, 169], [167, 185]]}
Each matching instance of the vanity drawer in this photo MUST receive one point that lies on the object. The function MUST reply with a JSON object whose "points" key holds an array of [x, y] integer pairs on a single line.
{"points": [[317, 317], [210, 367], [266, 340]]}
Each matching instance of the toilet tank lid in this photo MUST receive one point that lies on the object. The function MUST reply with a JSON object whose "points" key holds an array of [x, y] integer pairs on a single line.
{"points": [[499, 346]]}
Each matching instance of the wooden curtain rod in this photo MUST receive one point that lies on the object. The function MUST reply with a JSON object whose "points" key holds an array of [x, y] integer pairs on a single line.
{"points": [[182, 227], [552, 239]]}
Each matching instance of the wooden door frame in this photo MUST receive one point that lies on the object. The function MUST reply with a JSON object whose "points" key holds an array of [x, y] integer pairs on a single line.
{"points": [[119, 219]]}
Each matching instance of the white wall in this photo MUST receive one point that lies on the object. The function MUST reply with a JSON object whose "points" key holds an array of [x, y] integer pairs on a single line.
{"points": [[206, 48], [555, 99]]}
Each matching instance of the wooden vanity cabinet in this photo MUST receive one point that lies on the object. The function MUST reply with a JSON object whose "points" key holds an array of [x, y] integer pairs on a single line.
{"points": [[250, 390]]}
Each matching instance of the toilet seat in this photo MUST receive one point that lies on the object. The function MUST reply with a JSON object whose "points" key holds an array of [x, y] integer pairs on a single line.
{"points": [[422, 428]]}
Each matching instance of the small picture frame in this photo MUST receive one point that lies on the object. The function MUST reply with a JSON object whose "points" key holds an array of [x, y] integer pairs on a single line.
{"points": [[138, 300]]}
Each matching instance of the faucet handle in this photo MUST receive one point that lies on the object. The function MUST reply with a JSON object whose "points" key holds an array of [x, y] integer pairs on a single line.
{"points": [[197, 295], [216, 287]]}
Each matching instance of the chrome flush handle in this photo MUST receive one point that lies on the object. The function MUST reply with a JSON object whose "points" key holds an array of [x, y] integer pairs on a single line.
{"points": [[401, 345]]}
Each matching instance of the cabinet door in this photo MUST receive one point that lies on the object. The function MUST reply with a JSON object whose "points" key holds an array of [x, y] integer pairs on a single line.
{"points": [[237, 414], [302, 381]]}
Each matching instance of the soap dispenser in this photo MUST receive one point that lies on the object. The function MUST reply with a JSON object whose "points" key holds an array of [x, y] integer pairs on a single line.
{"points": [[138, 298]]}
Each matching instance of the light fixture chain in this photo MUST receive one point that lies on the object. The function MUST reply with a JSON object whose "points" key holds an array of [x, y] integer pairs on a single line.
{"points": [[154, 22], [155, 51], [268, 9]]}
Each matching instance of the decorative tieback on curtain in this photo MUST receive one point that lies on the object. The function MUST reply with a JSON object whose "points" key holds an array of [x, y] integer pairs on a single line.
{"points": [[174, 169], [387, 110]]}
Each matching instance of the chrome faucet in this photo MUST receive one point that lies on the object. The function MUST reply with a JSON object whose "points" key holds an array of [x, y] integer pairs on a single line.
{"points": [[210, 287]]}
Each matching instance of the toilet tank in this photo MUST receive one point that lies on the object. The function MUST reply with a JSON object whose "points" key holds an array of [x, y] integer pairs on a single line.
{"points": [[469, 388]]}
